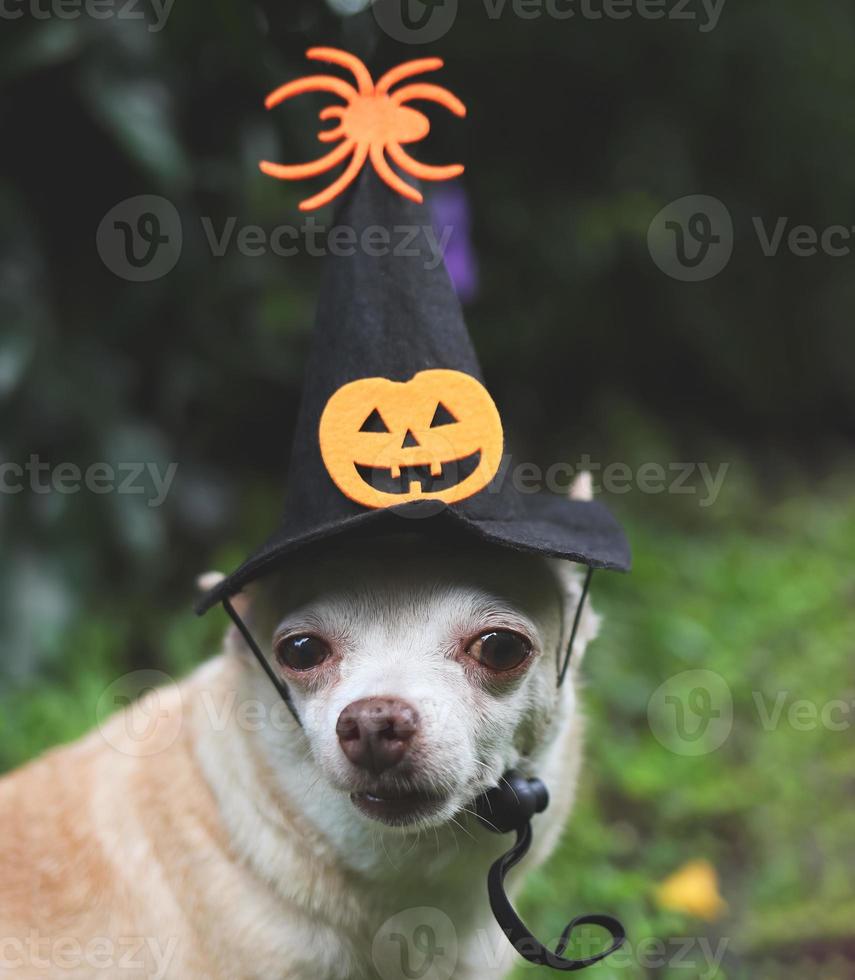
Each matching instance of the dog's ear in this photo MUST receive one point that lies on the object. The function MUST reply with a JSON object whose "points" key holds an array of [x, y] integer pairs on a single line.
{"points": [[210, 580], [570, 583], [241, 603], [582, 487]]}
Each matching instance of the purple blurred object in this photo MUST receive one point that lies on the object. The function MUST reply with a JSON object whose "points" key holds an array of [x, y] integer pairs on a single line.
{"points": [[449, 207]]}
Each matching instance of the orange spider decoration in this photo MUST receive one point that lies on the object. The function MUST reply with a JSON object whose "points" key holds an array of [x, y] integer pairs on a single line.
{"points": [[374, 122]]}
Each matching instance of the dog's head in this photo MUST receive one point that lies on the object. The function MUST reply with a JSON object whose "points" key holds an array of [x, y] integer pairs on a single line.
{"points": [[420, 672]]}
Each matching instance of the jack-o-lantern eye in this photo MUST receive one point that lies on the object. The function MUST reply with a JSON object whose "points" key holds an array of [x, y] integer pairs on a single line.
{"points": [[374, 423], [442, 416]]}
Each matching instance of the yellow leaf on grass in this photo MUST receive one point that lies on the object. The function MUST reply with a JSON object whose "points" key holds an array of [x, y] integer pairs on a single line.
{"points": [[693, 889]]}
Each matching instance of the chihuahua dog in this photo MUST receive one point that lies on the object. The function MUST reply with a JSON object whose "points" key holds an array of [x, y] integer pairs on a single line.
{"points": [[205, 833]]}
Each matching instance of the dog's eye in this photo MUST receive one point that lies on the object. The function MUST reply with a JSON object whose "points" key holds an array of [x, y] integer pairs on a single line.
{"points": [[301, 652], [501, 650]]}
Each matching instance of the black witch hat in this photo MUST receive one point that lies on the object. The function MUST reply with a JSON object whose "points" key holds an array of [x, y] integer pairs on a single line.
{"points": [[395, 422]]}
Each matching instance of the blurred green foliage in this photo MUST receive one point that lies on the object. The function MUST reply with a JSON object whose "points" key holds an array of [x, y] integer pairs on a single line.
{"points": [[763, 601], [579, 131]]}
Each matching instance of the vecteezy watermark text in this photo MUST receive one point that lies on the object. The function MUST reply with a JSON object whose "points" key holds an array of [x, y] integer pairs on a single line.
{"points": [[424, 21], [706, 12], [804, 241], [692, 239], [804, 714], [141, 238], [318, 240], [699, 478], [108, 955], [40, 477], [692, 712], [93, 9]]}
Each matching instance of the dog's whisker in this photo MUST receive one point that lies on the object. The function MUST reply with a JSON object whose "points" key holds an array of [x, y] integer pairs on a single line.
{"points": [[414, 845], [472, 813], [308, 789], [510, 787], [465, 831], [386, 852]]}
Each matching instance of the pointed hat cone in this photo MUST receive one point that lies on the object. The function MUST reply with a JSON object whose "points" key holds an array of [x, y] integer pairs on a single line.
{"points": [[388, 312]]}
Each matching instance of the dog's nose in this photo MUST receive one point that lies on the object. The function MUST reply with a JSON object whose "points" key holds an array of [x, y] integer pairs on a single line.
{"points": [[375, 733]]}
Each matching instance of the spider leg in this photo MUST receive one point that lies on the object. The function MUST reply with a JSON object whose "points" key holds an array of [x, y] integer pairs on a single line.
{"points": [[331, 112], [405, 70], [311, 83], [340, 183], [334, 56], [390, 177], [423, 171], [433, 93], [297, 171]]}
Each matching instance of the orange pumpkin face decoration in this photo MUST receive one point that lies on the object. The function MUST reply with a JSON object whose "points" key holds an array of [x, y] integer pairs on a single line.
{"points": [[437, 436]]}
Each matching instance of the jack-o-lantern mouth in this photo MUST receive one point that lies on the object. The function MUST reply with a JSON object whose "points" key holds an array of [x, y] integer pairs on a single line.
{"points": [[419, 479]]}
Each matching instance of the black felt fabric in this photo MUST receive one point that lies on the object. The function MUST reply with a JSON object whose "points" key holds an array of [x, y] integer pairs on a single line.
{"points": [[387, 315], [391, 315]]}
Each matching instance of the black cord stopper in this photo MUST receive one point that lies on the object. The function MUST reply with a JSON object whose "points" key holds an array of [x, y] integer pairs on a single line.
{"points": [[512, 803]]}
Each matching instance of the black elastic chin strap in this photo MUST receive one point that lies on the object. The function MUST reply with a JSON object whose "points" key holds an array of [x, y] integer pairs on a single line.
{"points": [[277, 682], [508, 806], [577, 618]]}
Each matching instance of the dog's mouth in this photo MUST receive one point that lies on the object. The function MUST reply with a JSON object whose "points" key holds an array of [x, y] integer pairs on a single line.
{"points": [[419, 479], [397, 808]]}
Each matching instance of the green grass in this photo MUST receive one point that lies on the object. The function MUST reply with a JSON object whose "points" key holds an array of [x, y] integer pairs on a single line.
{"points": [[764, 601], [760, 594]]}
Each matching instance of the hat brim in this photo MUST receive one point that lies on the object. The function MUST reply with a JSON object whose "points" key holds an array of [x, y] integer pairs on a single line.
{"points": [[575, 530]]}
